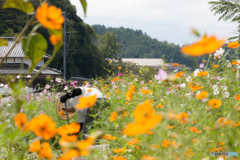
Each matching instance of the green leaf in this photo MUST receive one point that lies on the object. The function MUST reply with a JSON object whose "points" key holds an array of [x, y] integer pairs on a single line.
{"points": [[34, 48], [3, 42], [84, 5], [22, 5]]}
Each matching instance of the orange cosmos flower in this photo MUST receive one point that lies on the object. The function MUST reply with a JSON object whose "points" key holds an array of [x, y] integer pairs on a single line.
{"points": [[115, 79], [70, 154], [145, 120], [113, 116], [233, 44], [109, 137], [143, 112], [69, 129], [207, 45], [55, 39], [237, 97], [129, 93], [221, 121], [194, 87], [20, 120], [43, 126], [159, 106], [109, 62], [202, 73], [179, 74], [67, 138], [195, 130], [215, 65], [235, 62], [119, 150], [214, 103], [119, 67], [202, 95], [119, 158], [148, 158], [182, 117], [134, 141], [144, 91], [175, 64], [35, 146], [50, 16], [165, 143], [45, 151], [84, 145], [86, 102]]}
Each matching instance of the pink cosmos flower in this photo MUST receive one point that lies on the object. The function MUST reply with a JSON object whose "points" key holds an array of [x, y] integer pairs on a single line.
{"points": [[161, 76], [120, 74]]}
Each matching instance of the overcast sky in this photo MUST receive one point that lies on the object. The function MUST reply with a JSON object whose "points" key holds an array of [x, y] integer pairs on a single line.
{"points": [[165, 20]]}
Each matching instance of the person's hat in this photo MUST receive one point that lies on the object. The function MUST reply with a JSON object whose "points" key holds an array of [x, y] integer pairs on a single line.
{"points": [[63, 111]]}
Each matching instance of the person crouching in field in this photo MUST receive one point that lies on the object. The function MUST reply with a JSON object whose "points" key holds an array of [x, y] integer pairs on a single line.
{"points": [[70, 101]]}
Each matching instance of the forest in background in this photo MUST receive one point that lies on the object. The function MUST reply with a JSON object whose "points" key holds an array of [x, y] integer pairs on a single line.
{"points": [[137, 44], [88, 46]]}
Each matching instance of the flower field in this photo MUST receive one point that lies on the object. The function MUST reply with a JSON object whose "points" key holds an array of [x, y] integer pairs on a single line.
{"points": [[181, 115], [185, 115]]}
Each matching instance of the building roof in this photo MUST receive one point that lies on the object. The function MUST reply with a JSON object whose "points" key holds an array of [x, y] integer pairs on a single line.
{"points": [[144, 61], [15, 69], [17, 50]]}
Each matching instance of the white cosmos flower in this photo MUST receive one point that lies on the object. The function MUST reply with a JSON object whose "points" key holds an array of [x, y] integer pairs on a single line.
{"points": [[219, 53], [215, 87], [226, 94], [196, 72], [216, 92], [188, 79]]}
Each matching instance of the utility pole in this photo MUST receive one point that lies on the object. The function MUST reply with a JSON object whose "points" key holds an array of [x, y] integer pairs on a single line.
{"points": [[64, 46]]}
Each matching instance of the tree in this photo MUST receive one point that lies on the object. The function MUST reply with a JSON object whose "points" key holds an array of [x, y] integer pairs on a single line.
{"points": [[108, 45], [228, 10]]}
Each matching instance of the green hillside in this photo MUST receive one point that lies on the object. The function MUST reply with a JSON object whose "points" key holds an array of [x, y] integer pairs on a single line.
{"points": [[136, 44]]}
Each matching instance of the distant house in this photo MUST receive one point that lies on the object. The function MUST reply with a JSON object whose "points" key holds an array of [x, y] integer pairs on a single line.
{"points": [[16, 64], [155, 62]]}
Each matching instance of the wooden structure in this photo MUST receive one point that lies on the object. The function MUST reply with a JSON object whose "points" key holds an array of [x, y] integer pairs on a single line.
{"points": [[16, 64]]}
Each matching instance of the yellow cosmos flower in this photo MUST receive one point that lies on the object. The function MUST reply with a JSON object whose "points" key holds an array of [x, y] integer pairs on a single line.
{"points": [[206, 45]]}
